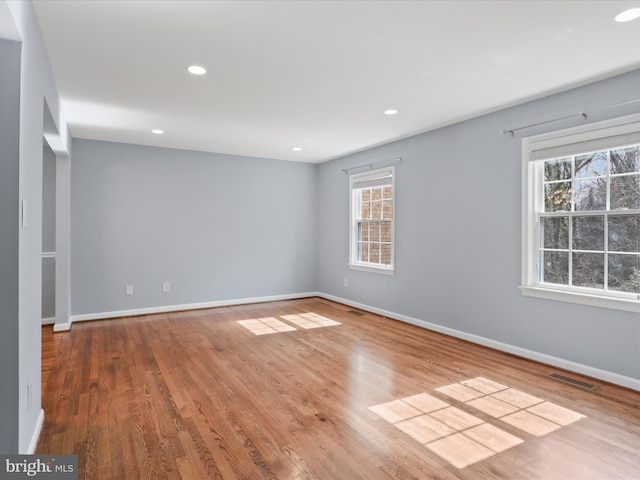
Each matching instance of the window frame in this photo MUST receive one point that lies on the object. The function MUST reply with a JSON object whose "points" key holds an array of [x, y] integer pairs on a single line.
{"points": [[610, 134], [370, 175]]}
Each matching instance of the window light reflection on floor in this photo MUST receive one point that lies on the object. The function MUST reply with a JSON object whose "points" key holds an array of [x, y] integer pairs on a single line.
{"points": [[461, 438], [264, 326]]}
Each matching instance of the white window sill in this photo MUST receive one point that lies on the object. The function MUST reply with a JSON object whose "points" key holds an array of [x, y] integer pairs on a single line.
{"points": [[371, 268], [626, 304]]}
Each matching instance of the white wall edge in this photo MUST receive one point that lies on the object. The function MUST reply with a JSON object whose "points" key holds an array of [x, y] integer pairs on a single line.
{"points": [[49, 321], [36, 434], [183, 307], [611, 377]]}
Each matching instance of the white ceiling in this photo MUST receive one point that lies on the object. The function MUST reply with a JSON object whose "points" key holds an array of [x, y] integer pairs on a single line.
{"points": [[317, 74]]}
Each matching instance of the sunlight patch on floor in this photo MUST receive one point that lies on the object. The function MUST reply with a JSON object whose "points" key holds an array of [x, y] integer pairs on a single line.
{"points": [[461, 438], [264, 326], [310, 320]]}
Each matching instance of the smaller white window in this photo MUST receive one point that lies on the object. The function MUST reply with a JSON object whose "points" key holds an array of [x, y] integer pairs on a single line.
{"points": [[372, 221]]}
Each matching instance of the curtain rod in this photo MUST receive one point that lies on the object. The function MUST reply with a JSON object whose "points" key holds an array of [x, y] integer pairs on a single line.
{"points": [[581, 114], [371, 165]]}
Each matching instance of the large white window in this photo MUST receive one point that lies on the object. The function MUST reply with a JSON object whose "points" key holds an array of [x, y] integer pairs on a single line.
{"points": [[372, 224], [581, 219]]}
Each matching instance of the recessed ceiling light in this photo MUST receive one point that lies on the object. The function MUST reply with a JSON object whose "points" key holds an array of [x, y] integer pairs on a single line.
{"points": [[157, 131], [391, 111], [296, 149], [196, 70], [628, 15]]}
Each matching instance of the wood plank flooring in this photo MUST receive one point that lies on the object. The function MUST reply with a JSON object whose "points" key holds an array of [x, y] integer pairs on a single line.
{"points": [[197, 395]]}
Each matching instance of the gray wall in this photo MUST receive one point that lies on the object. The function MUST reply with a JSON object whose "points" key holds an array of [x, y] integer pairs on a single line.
{"points": [[9, 200], [63, 241], [217, 227], [458, 214], [48, 232], [48, 200]]}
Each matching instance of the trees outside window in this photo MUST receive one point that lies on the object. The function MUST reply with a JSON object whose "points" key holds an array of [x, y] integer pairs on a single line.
{"points": [[590, 225], [581, 225]]}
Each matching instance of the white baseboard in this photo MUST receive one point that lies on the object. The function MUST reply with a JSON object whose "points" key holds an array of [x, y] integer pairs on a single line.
{"points": [[62, 327], [33, 443], [57, 327], [628, 382], [188, 306]]}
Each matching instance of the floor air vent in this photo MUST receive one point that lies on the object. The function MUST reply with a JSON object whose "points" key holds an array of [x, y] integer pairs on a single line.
{"points": [[356, 312], [573, 381]]}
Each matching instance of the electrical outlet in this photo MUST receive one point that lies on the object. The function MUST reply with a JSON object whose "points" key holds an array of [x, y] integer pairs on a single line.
{"points": [[345, 281], [129, 290], [166, 287]]}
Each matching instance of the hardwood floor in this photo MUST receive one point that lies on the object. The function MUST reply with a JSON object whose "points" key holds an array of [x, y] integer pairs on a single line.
{"points": [[199, 395]]}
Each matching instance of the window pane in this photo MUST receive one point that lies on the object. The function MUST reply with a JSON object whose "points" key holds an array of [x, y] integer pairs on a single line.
{"points": [[374, 232], [557, 169], [624, 273], [555, 267], [625, 192], [592, 165], [590, 194], [387, 192], [364, 232], [376, 193], [555, 232], [385, 250], [386, 232], [365, 206], [363, 252], [366, 194], [387, 209], [588, 233], [557, 197], [624, 233], [588, 270], [625, 160], [374, 253], [376, 210]]}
